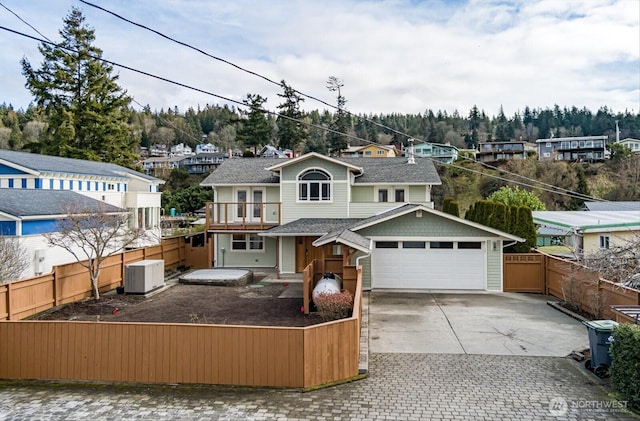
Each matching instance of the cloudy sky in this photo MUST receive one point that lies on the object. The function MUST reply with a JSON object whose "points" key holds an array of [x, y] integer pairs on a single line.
{"points": [[401, 56]]}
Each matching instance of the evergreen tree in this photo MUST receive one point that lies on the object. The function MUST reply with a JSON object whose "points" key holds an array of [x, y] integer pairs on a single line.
{"points": [[87, 110], [526, 229], [290, 132], [256, 128]]}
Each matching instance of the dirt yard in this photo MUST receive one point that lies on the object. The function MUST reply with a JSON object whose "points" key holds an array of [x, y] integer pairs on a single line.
{"points": [[255, 304]]}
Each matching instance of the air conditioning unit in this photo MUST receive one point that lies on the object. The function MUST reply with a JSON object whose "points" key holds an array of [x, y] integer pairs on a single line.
{"points": [[143, 276]]}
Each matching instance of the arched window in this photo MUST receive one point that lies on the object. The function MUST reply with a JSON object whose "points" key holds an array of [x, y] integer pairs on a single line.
{"points": [[314, 185]]}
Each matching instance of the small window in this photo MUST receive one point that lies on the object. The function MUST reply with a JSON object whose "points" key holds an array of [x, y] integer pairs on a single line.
{"points": [[386, 244], [469, 245], [547, 154], [251, 242], [399, 195], [367, 153], [441, 244], [334, 250], [604, 242], [383, 195], [314, 185], [414, 244], [380, 152], [548, 145]]}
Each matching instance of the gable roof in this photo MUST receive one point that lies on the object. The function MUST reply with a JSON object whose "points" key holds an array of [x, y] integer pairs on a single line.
{"points": [[38, 164], [403, 210], [310, 155], [20, 203], [242, 171]]}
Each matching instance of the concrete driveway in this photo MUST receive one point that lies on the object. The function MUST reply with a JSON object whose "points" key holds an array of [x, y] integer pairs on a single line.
{"points": [[471, 323]]}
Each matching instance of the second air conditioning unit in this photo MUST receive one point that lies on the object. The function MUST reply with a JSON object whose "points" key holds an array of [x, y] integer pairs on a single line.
{"points": [[143, 276]]}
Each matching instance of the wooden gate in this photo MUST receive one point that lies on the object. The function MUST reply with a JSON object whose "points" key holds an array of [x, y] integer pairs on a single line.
{"points": [[524, 272]]}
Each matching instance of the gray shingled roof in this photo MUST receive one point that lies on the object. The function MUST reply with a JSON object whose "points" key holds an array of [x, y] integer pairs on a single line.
{"points": [[312, 226], [375, 170], [23, 202], [395, 170], [242, 171], [57, 164], [612, 206]]}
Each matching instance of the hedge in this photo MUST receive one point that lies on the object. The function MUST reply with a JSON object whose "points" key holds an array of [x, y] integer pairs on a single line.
{"points": [[625, 366]]}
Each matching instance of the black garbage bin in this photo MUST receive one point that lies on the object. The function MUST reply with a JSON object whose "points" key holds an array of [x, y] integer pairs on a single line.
{"points": [[600, 337]]}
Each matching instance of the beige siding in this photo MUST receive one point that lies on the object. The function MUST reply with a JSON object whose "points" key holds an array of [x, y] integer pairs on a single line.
{"points": [[292, 210], [418, 194], [362, 194], [244, 258], [224, 194], [426, 226], [494, 266], [592, 239], [337, 171], [288, 255]]}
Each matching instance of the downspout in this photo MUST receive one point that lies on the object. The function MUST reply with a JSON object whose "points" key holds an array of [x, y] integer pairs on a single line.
{"points": [[365, 255]]}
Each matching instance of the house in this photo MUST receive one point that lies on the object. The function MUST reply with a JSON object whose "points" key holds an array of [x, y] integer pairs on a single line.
{"points": [[160, 166], [577, 148], [378, 212], [632, 144], [498, 151], [36, 190], [441, 152], [370, 151], [588, 232], [206, 148], [269, 151], [202, 163], [181, 150]]}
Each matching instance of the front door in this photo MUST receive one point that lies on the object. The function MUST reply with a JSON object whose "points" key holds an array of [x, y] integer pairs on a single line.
{"points": [[306, 252]]}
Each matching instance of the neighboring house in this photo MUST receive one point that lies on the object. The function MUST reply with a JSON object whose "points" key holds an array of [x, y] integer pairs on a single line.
{"points": [[202, 163], [612, 206], [578, 148], [443, 153], [36, 190], [370, 151], [160, 166], [273, 152], [499, 151], [285, 214], [632, 144], [588, 232], [206, 148], [158, 150], [181, 150]]}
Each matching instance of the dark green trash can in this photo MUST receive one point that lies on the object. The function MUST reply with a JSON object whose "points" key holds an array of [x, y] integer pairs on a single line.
{"points": [[600, 337]]}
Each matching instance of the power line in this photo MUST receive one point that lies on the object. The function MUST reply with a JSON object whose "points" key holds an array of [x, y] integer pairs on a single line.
{"points": [[558, 190], [238, 67]]}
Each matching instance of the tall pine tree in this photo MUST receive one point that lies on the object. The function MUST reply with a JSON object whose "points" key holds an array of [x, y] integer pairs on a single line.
{"points": [[290, 131], [87, 111]]}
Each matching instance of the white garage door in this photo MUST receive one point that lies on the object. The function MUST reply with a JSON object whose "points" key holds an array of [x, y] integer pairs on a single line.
{"points": [[429, 265]]}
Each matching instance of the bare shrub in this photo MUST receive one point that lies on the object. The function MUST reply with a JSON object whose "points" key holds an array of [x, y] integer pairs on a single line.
{"points": [[13, 259]]}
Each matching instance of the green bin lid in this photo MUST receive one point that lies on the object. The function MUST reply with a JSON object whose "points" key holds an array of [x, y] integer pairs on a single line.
{"points": [[601, 325]]}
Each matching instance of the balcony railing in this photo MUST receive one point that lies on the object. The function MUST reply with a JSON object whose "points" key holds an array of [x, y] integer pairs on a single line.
{"points": [[229, 216]]}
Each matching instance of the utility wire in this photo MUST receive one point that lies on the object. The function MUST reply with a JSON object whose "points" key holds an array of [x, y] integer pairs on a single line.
{"points": [[24, 21], [238, 67], [242, 104]]}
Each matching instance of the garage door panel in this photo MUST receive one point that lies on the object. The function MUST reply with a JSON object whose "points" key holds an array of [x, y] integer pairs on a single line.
{"points": [[429, 268]]}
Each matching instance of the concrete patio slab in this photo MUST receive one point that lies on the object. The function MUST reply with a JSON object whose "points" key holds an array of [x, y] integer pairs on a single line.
{"points": [[471, 323]]}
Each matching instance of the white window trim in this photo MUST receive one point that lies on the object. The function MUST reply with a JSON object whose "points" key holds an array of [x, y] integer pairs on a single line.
{"points": [[247, 241], [391, 193], [604, 238], [330, 182]]}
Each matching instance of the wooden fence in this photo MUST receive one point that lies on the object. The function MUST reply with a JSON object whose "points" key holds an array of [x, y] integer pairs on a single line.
{"points": [[300, 357], [70, 282], [566, 280]]}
